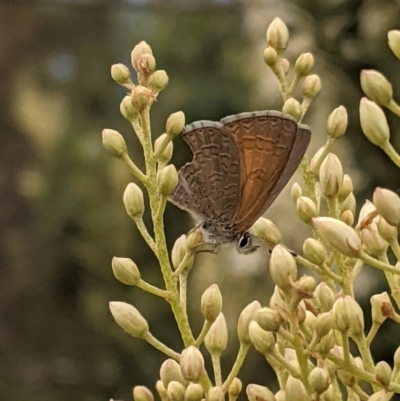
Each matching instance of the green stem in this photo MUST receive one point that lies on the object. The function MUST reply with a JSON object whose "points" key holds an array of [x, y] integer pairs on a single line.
{"points": [[145, 286], [378, 264], [366, 356], [293, 85], [162, 147], [394, 107], [205, 329], [243, 349], [372, 333], [145, 234], [391, 152], [134, 169], [157, 344], [394, 245], [216, 362]]}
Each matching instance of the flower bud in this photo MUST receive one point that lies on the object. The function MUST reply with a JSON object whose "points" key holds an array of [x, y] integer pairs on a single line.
{"points": [[262, 340], [142, 393], [325, 296], [381, 307], [346, 189], [331, 176], [175, 124], [266, 231], [176, 391], [192, 364], [276, 302], [146, 64], [378, 396], [211, 303], [349, 204], [178, 251], [373, 122], [194, 392], [315, 159], [394, 42], [396, 359], [301, 312], [120, 73], [216, 339], [386, 231], [277, 35], [387, 204], [293, 108], [270, 56], [133, 201], [376, 87], [339, 235], [323, 324], [235, 388], [127, 110], [125, 270], [306, 209], [129, 319], [325, 344], [193, 239], [167, 180], [311, 86], [215, 394], [319, 380], [296, 191], [113, 142], [383, 373], [161, 390], [165, 156], [295, 390], [171, 371], [306, 283], [310, 321], [347, 217], [141, 97], [138, 51], [303, 64], [269, 319], [158, 81], [255, 392], [348, 315], [247, 315], [336, 124], [314, 251], [280, 395], [282, 267]]}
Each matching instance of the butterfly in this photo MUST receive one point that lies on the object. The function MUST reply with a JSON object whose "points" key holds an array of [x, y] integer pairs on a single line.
{"points": [[239, 167]]}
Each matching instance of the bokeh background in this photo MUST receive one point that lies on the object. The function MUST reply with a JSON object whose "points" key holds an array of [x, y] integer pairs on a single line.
{"points": [[61, 215]]}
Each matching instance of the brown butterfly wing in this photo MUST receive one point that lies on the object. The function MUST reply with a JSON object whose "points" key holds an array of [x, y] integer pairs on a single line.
{"points": [[271, 146], [209, 186]]}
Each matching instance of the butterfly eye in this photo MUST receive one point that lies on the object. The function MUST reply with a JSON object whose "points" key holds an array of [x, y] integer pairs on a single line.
{"points": [[244, 241]]}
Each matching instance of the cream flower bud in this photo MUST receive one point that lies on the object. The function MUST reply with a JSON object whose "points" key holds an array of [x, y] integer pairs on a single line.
{"points": [[178, 251], [262, 340], [284, 64], [120, 73], [267, 231], [301, 312], [346, 189], [319, 380], [314, 251], [394, 42], [396, 358], [129, 319], [323, 324], [347, 217], [125, 270], [146, 64], [247, 315], [215, 394], [311, 86], [194, 238], [310, 321], [270, 56], [138, 51], [175, 124], [315, 159], [235, 388], [255, 392], [376, 87], [161, 390], [386, 231], [383, 373], [158, 81], [194, 392], [113, 142], [133, 201], [306, 283], [387, 204], [269, 319], [192, 364], [295, 390], [306, 209], [216, 339], [381, 307], [296, 191], [171, 371], [167, 180], [373, 122], [277, 35], [336, 124], [339, 235], [141, 97], [166, 154], [142, 393], [325, 344], [282, 267], [280, 395], [331, 176], [276, 302], [293, 108], [325, 296], [378, 396], [347, 315], [349, 204], [127, 110], [176, 391], [211, 303], [303, 64]]}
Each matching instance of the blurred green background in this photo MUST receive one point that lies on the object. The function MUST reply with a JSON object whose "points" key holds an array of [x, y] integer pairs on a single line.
{"points": [[62, 217]]}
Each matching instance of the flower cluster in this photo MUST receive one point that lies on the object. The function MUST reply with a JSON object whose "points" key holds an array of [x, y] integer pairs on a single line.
{"points": [[306, 331]]}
